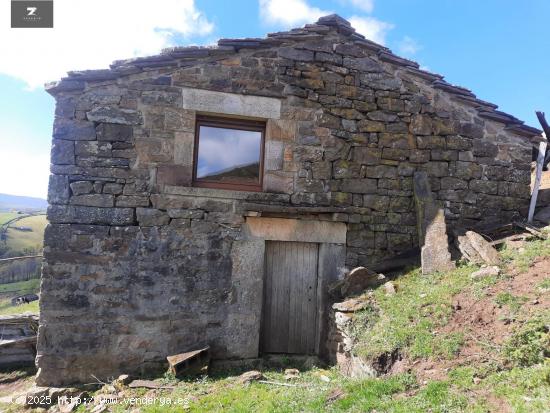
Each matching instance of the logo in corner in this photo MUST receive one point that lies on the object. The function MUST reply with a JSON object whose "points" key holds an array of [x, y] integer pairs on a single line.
{"points": [[31, 13]]}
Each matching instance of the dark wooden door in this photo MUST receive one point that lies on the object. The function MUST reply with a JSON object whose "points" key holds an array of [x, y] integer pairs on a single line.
{"points": [[290, 298]]}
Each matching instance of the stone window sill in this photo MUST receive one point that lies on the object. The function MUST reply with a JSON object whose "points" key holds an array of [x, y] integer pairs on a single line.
{"points": [[226, 194]]}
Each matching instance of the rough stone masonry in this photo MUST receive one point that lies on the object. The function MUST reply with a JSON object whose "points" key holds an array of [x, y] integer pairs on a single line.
{"points": [[140, 264]]}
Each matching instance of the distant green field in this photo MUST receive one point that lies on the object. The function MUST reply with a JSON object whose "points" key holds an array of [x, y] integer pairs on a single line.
{"points": [[19, 240], [18, 288], [22, 287], [7, 309], [6, 216]]}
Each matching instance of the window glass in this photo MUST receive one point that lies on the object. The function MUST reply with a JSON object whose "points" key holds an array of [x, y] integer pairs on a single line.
{"points": [[228, 155]]}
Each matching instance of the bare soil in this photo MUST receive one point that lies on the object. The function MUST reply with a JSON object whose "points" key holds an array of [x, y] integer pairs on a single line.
{"points": [[545, 182], [15, 382], [545, 179], [484, 323]]}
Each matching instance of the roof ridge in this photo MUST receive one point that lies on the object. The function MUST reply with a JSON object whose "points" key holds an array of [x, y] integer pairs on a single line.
{"points": [[173, 56]]}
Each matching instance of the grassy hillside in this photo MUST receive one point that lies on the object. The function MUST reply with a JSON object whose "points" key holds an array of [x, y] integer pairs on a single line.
{"points": [[485, 341], [22, 240]]}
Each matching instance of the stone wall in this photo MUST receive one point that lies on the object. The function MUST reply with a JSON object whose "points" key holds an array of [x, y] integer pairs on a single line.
{"points": [[138, 264]]}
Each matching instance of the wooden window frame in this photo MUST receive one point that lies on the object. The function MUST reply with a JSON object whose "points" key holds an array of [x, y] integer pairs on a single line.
{"points": [[229, 123]]}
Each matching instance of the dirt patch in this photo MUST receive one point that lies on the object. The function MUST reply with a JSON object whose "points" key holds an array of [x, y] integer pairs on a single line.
{"points": [[16, 381], [388, 362], [545, 182], [545, 178], [484, 323]]}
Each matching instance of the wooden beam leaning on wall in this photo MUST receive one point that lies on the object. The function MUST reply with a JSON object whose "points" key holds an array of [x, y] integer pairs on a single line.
{"points": [[540, 163]]}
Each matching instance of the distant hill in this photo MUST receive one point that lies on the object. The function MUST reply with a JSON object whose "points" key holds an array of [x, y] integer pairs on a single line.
{"points": [[23, 203], [246, 171]]}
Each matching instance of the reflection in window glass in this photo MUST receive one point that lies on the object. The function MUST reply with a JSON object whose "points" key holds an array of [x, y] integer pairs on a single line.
{"points": [[229, 155]]}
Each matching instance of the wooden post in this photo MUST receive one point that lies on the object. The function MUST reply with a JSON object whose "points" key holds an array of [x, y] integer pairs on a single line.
{"points": [[540, 164], [543, 123], [538, 176]]}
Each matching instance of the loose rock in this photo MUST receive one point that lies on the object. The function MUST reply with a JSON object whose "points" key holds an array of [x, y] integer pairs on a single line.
{"points": [[124, 379], [486, 272], [389, 287], [249, 376], [291, 374], [485, 250], [352, 305], [336, 394], [358, 280]]}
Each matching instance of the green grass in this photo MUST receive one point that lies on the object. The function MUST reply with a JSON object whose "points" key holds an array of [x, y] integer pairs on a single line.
{"points": [[527, 390], [7, 291], [399, 393], [22, 287], [533, 250], [407, 320], [7, 309], [511, 302], [530, 344], [32, 240], [7, 216], [544, 286], [524, 389]]}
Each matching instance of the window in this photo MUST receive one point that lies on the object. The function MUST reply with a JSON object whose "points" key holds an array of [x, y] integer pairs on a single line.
{"points": [[229, 153]]}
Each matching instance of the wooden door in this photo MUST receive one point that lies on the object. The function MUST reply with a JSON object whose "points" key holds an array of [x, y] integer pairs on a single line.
{"points": [[290, 308]]}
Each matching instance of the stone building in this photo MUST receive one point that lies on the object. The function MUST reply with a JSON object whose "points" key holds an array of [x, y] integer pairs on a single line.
{"points": [[209, 195]]}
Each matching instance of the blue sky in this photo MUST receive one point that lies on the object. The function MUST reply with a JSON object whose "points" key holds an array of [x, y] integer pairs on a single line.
{"points": [[496, 48]]}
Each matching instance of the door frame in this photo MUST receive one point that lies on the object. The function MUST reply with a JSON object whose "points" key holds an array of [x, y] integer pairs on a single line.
{"points": [[331, 237]]}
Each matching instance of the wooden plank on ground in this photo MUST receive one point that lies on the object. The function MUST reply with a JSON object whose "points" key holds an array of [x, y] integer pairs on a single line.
{"points": [[531, 229]]}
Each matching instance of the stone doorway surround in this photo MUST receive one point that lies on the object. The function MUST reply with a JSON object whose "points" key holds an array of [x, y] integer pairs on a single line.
{"points": [[248, 256]]}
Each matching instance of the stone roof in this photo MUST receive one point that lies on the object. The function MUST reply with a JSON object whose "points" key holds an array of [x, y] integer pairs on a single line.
{"points": [[188, 56]]}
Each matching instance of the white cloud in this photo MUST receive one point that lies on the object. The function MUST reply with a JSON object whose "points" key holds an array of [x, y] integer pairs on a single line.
{"points": [[91, 34], [214, 155], [289, 13], [364, 5], [25, 165], [408, 46], [293, 13], [373, 29], [29, 174]]}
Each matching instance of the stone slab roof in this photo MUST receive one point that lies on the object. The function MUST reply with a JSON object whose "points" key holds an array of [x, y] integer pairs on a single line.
{"points": [[191, 55]]}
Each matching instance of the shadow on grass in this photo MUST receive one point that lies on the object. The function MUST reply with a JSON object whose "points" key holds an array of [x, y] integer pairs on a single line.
{"points": [[273, 363], [11, 375]]}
